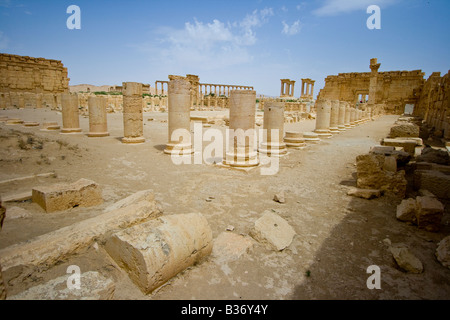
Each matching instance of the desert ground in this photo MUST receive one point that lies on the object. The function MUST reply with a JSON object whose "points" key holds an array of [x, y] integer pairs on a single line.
{"points": [[337, 236]]}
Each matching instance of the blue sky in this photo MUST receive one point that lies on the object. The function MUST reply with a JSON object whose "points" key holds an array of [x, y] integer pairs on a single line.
{"points": [[252, 42]]}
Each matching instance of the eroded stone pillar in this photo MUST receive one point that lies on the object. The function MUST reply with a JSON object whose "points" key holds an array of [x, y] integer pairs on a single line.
{"points": [[341, 118], [348, 115], [98, 126], [241, 135], [273, 144], [334, 117], [323, 116], [352, 117], [179, 118], [294, 140], [133, 125], [70, 115]]}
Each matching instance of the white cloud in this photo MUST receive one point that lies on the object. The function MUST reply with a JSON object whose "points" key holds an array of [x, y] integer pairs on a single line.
{"points": [[213, 45], [336, 7], [3, 41], [293, 29]]}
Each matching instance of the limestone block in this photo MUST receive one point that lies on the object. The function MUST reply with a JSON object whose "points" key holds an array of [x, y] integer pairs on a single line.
{"points": [[434, 181], [406, 210], [408, 144], [93, 286], [406, 260], [371, 175], [429, 213], [57, 197], [48, 249], [434, 156], [443, 252], [274, 231], [404, 130], [17, 213], [155, 251]]}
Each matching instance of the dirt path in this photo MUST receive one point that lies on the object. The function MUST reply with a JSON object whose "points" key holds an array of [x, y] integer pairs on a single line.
{"points": [[338, 236]]}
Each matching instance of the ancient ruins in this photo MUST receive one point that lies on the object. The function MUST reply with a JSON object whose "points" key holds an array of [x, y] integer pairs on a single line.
{"points": [[191, 190]]}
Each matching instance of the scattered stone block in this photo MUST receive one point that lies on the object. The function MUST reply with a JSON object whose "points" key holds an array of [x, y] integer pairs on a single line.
{"points": [[429, 213], [364, 193], [407, 261], [443, 252], [434, 181], [406, 210], [279, 197], [48, 249], [58, 197], [144, 195], [432, 155], [273, 230], [404, 130], [408, 144], [153, 252], [93, 286], [371, 175]]}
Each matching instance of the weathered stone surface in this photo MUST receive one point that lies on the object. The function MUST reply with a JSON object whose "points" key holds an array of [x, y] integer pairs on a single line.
{"points": [[17, 213], [93, 286], [436, 182], [229, 246], [429, 213], [2, 284], [434, 156], [57, 197], [47, 249], [408, 144], [404, 130], [371, 175], [155, 251], [406, 260], [443, 252], [406, 210], [273, 230], [364, 193], [143, 195]]}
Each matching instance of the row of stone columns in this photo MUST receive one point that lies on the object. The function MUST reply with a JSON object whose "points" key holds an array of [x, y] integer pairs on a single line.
{"points": [[336, 116]]}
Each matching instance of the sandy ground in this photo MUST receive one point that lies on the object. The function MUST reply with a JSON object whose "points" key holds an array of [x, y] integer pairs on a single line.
{"points": [[338, 237]]}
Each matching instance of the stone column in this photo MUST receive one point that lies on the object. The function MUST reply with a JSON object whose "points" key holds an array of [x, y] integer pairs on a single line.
{"points": [[352, 117], [179, 117], [241, 136], [98, 126], [323, 110], [294, 140], [348, 115], [273, 144], [133, 125], [70, 115], [374, 66], [341, 119], [334, 117], [312, 88]]}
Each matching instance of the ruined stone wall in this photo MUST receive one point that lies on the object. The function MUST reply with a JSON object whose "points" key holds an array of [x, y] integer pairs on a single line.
{"points": [[394, 89], [31, 82], [434, 104]]}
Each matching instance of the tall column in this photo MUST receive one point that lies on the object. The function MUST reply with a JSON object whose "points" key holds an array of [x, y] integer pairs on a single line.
{"points": [[334, 117], [273, 144], [133, 125], [348, 115], [179, 118], [352, 117], [282, 89], [70, 116], [323, 110], [241, 137], [312, 88], [374, 66], [341, 119], [98, 126]]}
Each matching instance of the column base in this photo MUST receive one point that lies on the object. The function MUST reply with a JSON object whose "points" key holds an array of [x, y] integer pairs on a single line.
{"points": [[133, 140], [241, 160], [342, 128], [334, 130], [311, 137], [322, 133], [71, 130], [98, 134], [178, 149], [31, 124], [273, 149]]}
